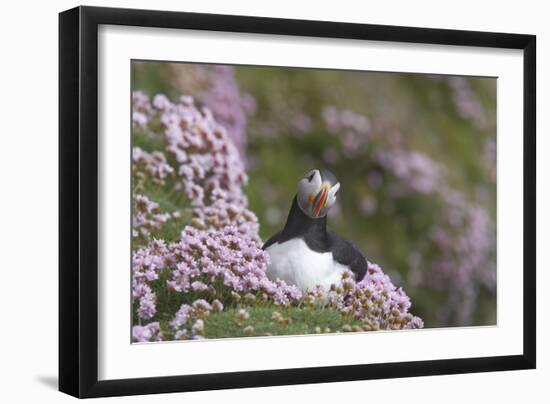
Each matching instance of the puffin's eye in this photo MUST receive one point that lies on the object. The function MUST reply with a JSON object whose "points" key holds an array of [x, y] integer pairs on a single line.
{"points": [[310, 178]]}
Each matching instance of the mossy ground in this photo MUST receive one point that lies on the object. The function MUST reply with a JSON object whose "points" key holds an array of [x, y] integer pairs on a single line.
{"points": [[294, 321]]}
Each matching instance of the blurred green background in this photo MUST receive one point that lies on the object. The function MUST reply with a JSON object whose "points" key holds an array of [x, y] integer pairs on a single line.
{"points": [[415, 154]]}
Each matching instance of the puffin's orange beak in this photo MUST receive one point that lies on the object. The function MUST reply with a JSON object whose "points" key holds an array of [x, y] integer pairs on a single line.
{"points": [[320, 200]]}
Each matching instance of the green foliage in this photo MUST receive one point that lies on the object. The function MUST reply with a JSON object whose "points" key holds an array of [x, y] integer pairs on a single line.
{"points": [[296, 321], [293, 320], [262, 322]]}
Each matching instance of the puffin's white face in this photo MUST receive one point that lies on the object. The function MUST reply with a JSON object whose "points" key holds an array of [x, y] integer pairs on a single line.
{"points": [[317, 194]]}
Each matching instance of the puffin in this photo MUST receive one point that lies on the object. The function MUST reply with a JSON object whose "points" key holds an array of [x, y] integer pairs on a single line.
{"points": [[305, 253]]}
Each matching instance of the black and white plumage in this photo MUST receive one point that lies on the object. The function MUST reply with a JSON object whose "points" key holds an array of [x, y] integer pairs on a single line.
{"points": [[305, 253]]}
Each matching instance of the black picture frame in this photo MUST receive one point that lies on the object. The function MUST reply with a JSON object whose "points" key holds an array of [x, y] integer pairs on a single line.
{"points": [[78, 200]]}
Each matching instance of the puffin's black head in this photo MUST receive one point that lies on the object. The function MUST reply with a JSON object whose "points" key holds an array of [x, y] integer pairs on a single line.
{"points": [[317, 192]]}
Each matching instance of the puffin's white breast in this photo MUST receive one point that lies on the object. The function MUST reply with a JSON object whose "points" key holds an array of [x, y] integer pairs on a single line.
{"points": [[295, 263]]}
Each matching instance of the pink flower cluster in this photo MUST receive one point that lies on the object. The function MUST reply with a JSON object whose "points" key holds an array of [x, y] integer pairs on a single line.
{"points": [[152, 165], [146, 264], [146, 217], [141, 110], [459, 257], [414, 171], [209, 168], [466, 102], [352, 129], [375, 300], [490, 158], [222, 213], [148, 332], [230, 106], [207, 160], [227, 255], [461, 251], [225, 265], [217, 263], [466, 259]]}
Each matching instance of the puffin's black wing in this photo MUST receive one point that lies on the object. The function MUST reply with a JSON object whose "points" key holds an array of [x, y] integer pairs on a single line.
{"points": [[272, 240], [346, 253]]}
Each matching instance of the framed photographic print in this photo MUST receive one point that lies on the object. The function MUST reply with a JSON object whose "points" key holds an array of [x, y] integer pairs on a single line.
{"points": [[251, 201]]}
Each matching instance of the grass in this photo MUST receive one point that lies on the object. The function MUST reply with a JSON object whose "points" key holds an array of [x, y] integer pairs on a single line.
{"points": [[294, 321]]}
